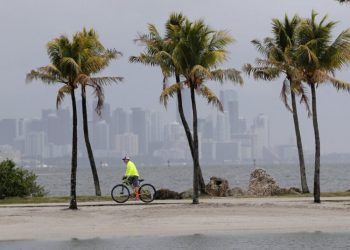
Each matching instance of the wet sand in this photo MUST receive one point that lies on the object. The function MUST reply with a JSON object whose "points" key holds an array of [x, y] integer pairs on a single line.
{"points": [[174, 218]]}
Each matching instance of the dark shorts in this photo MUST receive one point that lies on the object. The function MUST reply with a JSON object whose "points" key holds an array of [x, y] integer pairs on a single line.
{"points": [[134, 180]]}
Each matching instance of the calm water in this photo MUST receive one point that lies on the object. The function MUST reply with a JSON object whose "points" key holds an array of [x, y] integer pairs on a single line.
{"points": [[290, 241], [179, 178]]}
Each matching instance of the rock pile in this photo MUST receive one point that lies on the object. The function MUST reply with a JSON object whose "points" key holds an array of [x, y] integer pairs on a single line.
{"points": [[262, 184], [217, 187]]}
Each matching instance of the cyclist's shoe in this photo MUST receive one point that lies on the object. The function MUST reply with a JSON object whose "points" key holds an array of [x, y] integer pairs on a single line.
{"points": [[137, 196]]}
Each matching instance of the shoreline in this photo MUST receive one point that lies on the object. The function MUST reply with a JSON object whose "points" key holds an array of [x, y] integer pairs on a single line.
{"points": [[54, 221]]}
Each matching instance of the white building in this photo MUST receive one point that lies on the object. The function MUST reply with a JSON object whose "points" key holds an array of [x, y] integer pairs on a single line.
{"points": [[36, 145], [127, 143]]}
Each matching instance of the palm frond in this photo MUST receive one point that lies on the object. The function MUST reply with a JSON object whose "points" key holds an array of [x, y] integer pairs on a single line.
{"points": [[49, 75], [169, 92], [99, 95], [104, 80], [304, 98], [285, 92], [222, 75], [265, 73], [210, 96], [338, 84], [62, 92]]}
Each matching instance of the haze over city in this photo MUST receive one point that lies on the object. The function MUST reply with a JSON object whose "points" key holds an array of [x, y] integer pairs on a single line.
{"points": [[28, 26]]}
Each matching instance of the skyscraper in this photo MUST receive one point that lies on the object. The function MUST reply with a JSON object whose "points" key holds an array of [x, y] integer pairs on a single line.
{"points": [[139, 122], [229, 99], [119, 124], [101, 135], [8, 131], [261, 136]]}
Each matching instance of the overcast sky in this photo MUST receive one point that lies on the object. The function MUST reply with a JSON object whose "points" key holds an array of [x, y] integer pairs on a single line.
{"points": [[27, 26]]}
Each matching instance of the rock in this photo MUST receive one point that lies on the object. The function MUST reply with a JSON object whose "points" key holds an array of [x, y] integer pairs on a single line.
{"points": [[235, 192], [164, 194], [187, 194], [217, 187], [294, 190], [262, 184]]}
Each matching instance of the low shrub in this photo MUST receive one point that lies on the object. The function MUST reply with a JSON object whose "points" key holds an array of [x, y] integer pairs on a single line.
{"points": [[18, 182]]}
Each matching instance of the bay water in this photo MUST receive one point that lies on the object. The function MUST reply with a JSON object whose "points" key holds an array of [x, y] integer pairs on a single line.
{"points": [[56, 180], [250, 241]]}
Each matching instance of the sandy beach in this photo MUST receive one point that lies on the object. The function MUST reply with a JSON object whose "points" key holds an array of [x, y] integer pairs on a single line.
{"points": [[174, 217]]}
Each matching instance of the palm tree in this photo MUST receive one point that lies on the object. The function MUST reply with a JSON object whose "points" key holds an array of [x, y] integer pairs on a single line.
{"points": [[93, 59], [63, 69], [199, 52], [159, 52], [318, 57], [279, 59]]}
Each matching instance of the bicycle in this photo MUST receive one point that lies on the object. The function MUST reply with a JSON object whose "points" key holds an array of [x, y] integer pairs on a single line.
{"points": [[121, 192]]}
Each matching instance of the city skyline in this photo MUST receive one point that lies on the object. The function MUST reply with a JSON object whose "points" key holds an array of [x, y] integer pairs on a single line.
{"points": [[142, 85], [224, 136]]}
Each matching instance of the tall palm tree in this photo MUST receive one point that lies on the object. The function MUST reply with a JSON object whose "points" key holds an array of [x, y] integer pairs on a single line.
{"points": [[318, 57], [159, 52], [94, 58], [279, 59], [199, 52], [64, 70]]}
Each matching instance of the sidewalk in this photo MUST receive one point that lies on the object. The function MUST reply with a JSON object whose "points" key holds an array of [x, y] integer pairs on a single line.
{"points": [[173, 217]]}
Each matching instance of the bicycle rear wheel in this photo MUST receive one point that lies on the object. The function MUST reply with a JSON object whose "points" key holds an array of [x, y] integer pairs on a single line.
{"points": [[147, 192], [120, 193]]}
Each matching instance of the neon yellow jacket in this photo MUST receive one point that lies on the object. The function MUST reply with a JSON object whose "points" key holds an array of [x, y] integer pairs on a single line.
{"points": [[131, 169]]}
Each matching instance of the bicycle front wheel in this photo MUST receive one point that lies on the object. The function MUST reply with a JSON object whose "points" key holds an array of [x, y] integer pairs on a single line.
{"points": [[147, 192], [120, 193]]}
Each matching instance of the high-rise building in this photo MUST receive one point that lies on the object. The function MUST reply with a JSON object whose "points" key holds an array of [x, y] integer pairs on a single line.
{"points": [[105, 112], [65, 121], [222, 127], [139, 122], [261, 136], [229, 99], [36, 145], [126, 144], [101, 135], [119, 124], [156, 128], [8, 131]]}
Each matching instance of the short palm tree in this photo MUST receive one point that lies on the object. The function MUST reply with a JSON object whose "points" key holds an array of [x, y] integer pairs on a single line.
{"points": [[279, 60], [63, 69], [159, 52], [200, 50], [93, 59], [318, 57]]}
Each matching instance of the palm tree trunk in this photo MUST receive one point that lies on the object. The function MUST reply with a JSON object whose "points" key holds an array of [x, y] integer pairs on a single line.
{"points": [[317, 192], [304, 187], [195, 149], [189, 136], [73, 179], [88, 145]]}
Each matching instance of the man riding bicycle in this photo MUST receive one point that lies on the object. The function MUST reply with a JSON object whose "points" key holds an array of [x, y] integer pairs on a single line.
{"points": [[132, 175]]}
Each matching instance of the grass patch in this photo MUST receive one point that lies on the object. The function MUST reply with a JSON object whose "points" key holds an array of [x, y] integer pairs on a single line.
{"points": [[66, 199], [51, 199]]}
